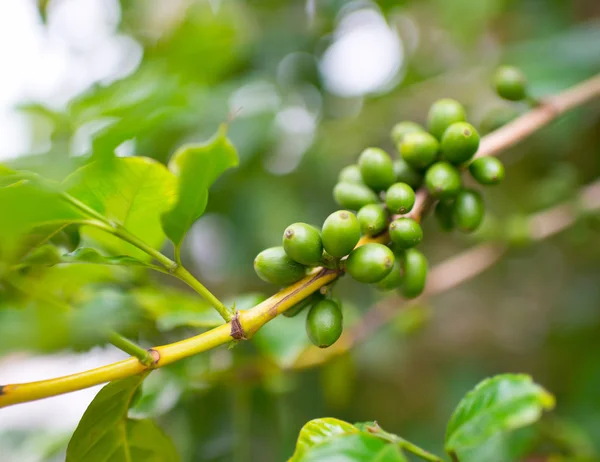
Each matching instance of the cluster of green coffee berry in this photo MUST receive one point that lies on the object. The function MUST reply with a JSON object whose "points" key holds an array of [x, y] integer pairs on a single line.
{"points": [[382, 192]]}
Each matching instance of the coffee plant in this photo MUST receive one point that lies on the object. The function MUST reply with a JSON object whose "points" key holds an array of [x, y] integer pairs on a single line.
{"points": [[116, 212]]}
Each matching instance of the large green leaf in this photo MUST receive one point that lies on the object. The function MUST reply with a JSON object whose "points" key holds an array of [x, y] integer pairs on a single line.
{"points": [[496, 405], [105, 433], [333, 440], [197, 166], [133, 192]]}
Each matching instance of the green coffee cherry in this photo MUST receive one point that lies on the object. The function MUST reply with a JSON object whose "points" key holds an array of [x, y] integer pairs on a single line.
{"points": [[444, 211], [401, 129], [275, 266], [405, 233], [468, 210], [487, 170], [353, 196], [302, 243], [443, 180], [341, 233], [350, 174], [406, 174], [372, 219], [459, 142], [510, 83], [419, 149], [376, 168], [393, 279], [370, 263], [414, 274], [400, 198], [303, 304], [444, 113], [496, 118], [324, 323]]}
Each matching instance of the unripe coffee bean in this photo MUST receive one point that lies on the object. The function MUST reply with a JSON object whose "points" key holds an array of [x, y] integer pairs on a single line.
{"points": [[487, 170], [350, 174], [510, 83], [324, 323], [302, 243], [414, 274], [303, 304], [468, 210], [401, 129], [393, 279], [353, 196], [376, 169], [459, 142], [443, 180], [405, 233], [370, 263], [275, 266], [341, 233], [419, 149], [372, 219], [444, 113], [406, 174], [444, 214], [400, 198]]}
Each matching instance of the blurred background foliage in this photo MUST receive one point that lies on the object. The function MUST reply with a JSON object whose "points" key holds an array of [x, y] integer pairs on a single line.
{"points": [[307, 86]]}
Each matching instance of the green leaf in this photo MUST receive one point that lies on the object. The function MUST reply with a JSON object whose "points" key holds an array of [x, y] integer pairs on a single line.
{"points": [[319, 431], [197, 166], [105, 432], [133, 192], [358, 447], [498, 404]]}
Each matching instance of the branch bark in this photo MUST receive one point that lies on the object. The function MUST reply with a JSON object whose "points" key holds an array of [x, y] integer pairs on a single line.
{"points": [[252, 320]]}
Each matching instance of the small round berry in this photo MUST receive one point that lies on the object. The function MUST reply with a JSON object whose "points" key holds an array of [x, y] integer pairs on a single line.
{"points": [[400, 198], [419, 149], [496, 118], [414, 274], [370, 263], [443, 180], [510, 83], [303, 304], [376, 168], [275, 266], [487, 170], [350, 174], [444, 113], [341, 233], [324, 323], [302, 243], [353, 196], [459, 142], [401, 129], [405, 233], [394, 279], [372, 219], [444, 211], [468, 210], [406, 174]]}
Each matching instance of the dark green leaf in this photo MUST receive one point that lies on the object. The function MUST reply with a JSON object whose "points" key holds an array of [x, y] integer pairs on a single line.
{"points": [[499, 404], [133, 192], [197, 167], [105, 433]]}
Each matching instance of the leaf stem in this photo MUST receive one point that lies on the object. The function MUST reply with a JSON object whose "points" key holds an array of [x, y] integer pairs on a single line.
{"points": [[420, 452], [133, 349]]}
